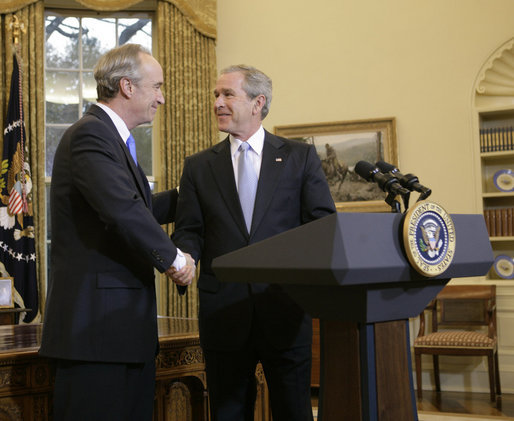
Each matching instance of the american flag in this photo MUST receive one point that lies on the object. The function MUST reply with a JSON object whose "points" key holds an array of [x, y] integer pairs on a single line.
{"points": [[17, 242]]}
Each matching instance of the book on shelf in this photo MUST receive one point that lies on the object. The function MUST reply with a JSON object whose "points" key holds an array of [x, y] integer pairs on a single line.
{"points": [[496, 139], [499, 222], [508, 221]]}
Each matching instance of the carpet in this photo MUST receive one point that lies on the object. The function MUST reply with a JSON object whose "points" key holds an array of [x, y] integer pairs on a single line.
{"points": [[439, 416]]}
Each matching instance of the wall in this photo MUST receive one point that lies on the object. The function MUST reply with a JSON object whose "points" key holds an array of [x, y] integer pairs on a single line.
{"points": [[336, 60]]}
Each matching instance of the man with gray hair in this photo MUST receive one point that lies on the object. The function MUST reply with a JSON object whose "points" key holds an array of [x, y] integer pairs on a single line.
{"points": [[100, 319], [249, 187]]}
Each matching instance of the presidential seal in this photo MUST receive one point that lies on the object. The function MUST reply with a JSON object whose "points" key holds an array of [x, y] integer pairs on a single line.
{"points": [[429, 238]]}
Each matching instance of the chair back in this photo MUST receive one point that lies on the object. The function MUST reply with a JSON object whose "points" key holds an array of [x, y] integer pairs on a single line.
{"points": [[466, 306]]}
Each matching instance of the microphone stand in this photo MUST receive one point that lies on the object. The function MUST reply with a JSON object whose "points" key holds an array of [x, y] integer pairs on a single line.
{"points": [[406, 199], [391, 201], [395, 204], [424, 195]]}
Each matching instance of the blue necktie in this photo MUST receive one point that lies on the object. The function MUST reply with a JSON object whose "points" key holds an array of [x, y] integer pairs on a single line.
{"points": [[247, 183], [131, 145]]}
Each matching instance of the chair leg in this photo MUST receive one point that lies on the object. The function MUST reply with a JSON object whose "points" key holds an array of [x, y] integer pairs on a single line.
{"points": [[491, 370], [417, 357], [497, 374], [435, 359]]}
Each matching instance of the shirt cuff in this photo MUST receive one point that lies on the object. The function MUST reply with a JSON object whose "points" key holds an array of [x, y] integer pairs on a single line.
{"points": [[180, 260]]}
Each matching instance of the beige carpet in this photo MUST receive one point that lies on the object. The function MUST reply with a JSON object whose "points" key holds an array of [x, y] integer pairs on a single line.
{"points": [[438, 416]]}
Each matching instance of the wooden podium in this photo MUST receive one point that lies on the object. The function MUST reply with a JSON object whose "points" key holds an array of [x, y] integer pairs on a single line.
{"points": [[350, 271]]}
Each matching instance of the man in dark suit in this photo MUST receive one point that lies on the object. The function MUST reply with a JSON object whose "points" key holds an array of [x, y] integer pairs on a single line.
{"points": [[100, 319], [242, 324]]}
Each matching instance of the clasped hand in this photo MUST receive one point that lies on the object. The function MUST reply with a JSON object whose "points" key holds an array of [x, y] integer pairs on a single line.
{"points": [[185, 275]]}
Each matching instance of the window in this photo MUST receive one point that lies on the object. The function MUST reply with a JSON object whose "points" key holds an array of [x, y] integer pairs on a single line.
{"points": [[72, 47]]}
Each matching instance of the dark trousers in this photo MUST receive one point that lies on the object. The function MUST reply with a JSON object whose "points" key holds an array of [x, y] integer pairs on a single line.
{"points": [[232, 387], [86, 391]]}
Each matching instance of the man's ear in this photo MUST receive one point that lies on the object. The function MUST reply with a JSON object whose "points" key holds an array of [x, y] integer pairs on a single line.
{"points": [[126, 87], [260, 101]]}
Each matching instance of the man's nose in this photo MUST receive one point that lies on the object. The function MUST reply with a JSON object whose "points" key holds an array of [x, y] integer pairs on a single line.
{"points": [[219, 102], [160, 97]]}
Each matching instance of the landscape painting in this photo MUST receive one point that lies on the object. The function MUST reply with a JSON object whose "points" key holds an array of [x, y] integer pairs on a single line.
{"points": [[340, 146]]}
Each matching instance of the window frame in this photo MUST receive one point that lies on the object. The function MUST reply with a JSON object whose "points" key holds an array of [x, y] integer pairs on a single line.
{"points": [[81, 13]]}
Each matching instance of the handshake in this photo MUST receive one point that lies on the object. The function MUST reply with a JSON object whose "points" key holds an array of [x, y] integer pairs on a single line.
{"points": [[185, 275]]}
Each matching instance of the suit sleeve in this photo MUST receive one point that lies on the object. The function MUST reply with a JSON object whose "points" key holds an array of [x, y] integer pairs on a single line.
{"points": [[317, 200], [101, 174], [164, 206], [189, 223]]}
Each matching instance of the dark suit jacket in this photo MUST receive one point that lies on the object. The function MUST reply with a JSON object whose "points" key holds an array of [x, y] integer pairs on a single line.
{"points": [[292, 190], [106, 242]]}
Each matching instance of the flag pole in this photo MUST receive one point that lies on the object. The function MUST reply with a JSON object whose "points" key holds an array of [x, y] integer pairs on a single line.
{"points": [[17, 240], [17, 28]]}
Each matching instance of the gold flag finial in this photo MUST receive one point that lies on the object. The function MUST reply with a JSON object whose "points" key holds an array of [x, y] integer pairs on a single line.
{"points": [[17, 28]]}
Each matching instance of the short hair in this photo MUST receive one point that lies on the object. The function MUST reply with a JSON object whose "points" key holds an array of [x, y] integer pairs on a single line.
{"points": [[255, 83], [116, 64]]}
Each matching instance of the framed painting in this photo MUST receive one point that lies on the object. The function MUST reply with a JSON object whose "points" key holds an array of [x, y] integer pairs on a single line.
{"points": [[340, 145], [6, 293]]}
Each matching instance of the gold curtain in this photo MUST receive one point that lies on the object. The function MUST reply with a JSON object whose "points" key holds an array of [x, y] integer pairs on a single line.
{"points": [[187, 32], [187, 124], [8, 6], [31, 14], [200, 13]]}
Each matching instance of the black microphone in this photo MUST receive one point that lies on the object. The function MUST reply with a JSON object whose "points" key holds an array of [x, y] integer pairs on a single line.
{"points": [[386, 182], [409, 181]]}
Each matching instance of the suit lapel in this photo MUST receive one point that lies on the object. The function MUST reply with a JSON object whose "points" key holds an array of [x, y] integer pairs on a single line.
{"points": [[138, 174], [274, 158], [223, 174], [140, 177]]}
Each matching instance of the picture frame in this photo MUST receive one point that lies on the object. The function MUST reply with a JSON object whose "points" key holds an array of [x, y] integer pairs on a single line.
{"points": [[340, 145], [6, 293]]}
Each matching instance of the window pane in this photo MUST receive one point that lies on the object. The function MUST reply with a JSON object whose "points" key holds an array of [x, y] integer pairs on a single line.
{"points": [[98, 37], [143, 137], [48, 224], [88, 90], [62, 48], [138, 31], [62, 97], [48, 258], [53, 137]]}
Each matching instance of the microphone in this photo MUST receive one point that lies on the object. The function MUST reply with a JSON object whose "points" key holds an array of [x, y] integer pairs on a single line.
{"points": [[409, 181], [386, 182]]}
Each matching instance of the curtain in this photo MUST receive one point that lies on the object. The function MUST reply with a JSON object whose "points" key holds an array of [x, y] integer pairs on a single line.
{"points": [[8, 6], [187, 126], [200, 13], [187, 33], [31, 61]]}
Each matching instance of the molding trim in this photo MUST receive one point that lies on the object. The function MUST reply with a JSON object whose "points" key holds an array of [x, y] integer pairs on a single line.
{"points": [[496, 75]]}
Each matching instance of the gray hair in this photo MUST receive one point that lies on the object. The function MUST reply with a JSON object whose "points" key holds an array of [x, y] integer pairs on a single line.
{"points": [[255, 83], [116, 64]]}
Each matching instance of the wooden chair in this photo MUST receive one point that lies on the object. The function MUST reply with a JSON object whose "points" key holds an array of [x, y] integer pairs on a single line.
{"points": [[461, 308]]}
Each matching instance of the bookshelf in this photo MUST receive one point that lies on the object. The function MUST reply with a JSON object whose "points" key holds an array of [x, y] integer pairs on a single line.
{"points": [[496, 134]]}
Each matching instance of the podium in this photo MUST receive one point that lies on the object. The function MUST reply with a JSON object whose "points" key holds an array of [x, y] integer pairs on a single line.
{"points": [[350, 271]]}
